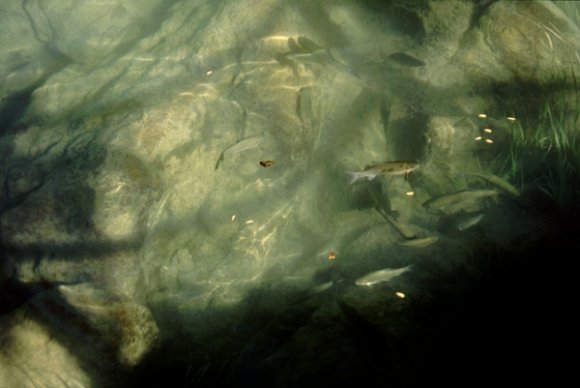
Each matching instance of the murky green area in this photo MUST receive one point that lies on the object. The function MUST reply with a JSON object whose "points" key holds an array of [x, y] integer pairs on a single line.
{"points": [[274, 193]]}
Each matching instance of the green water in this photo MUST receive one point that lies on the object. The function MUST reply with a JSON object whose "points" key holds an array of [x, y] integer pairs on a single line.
{"points": [[176, 207]]}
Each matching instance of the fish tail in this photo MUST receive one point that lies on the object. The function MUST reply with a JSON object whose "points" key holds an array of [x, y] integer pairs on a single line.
{"points": [[354, 176]]}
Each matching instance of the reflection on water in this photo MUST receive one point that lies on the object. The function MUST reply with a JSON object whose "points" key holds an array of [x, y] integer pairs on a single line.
{"points": [[176, 203]]}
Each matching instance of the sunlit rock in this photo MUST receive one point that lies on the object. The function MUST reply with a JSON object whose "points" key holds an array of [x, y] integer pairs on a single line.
{"points": [[32, 355], [77, 31], [24, 60], [534, 41], [126, 325]]}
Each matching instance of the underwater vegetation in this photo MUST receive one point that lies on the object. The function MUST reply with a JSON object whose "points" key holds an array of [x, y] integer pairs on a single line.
{"points": [[540, 150]]}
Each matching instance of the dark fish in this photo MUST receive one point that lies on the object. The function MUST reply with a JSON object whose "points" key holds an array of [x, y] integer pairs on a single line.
{"points": [[406, 60], [266, 163], [292, 45], [308, 45]]}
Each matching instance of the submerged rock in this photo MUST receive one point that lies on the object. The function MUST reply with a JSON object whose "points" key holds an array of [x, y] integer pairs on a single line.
{"points": [[532, 40], [112, 203]]}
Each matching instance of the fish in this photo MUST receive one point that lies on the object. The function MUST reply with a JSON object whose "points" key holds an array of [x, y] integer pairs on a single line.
{"points": [[266, 163], [497, 181], [419, 242], [305, 50], [458, 198], [320, 57], [308, 45], [406, 60], [321, 287], [243, 144], [314, 290], [404, 230], [382, 275], [303, 45], [293, 45], [392, 168], [467, 220]]}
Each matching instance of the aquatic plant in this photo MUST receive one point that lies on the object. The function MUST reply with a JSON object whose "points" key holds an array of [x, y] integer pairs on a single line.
{"points": [[542, 151]]}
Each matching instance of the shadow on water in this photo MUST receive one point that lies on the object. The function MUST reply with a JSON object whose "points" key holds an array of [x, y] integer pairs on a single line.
{"points": [[42, 301], [498, 314], [504, 302], [14, 107]]}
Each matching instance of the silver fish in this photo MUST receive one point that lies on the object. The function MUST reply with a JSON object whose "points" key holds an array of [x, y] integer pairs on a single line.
{"points": [[458, 198], [396, 167], [467, 220], [419, 242], [497, 181], [382, 275]]}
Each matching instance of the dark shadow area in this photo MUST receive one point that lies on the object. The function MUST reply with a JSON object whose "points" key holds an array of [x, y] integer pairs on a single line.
{"points": [[73, 251], [325, 26], [498, 314], [94, 345], [96, 353], [13, 108], [403, 16], [225, 346], [61, 177], [525, 98]]}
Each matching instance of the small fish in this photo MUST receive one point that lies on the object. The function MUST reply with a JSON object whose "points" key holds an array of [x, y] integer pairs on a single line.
{"points": [[321, 287], [382, 275], [458, 198], [302, 45], [406, 60], [293, 46], [466, 220], [285, 61], [243, 144], [308, 45], [320, 57], [398, 167], [497, 181], [419, 242], [310, 292], [266, 163], [404, 230]]}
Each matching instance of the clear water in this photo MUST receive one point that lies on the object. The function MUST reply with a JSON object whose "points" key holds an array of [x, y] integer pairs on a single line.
{"points": [[176, 206]]}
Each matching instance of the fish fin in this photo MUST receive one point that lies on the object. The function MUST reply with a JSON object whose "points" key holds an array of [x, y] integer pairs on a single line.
{"points": [[353, 176], [220, 159], [406, 60]]}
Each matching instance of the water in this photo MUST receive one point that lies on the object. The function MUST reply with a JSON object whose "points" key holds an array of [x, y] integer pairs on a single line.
{"points": [[176, 208]]}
